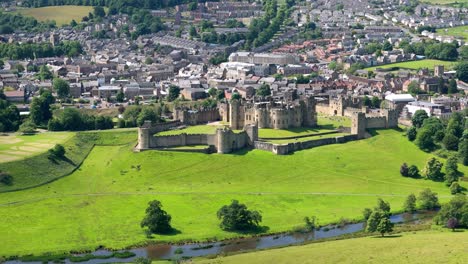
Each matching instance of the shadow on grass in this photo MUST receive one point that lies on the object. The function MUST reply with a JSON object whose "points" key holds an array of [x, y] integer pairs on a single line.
{"points": [[172, 232], [54, 159], [251, 231], [388, 236]]}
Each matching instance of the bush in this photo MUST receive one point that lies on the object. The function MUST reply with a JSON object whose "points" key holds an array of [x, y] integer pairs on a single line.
{"points": [[455, 188], [58, 151], [236, 217], [6, 178], [412, 133], [404, 170], [413, 171], [28, 127]]}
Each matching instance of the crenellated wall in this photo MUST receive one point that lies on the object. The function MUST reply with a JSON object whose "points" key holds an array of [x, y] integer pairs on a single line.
{"points": [[194, 117]]}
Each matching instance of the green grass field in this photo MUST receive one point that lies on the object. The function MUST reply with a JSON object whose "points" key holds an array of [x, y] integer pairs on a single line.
{"points": [[17, 147], [61, 14], [455, 31], [420, 247], [103, 202], [302, 139], [39, 169], [415, 65], [444, 2]]}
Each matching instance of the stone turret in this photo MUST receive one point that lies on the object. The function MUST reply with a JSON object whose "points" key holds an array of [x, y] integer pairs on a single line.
{"points": [[234, 114], [252, 133], [144, 136], [223, 140], [358, 125]]}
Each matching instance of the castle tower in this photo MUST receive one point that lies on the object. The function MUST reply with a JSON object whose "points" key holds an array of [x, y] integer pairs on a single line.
{"points": [[144, 136], [309, 113], [439, 70], [234, 114], [252, 133], [223, 140], [358, 125], [391, 117]]}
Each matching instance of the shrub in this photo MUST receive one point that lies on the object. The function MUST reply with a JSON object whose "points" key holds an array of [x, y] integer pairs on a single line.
{"points": [[412, 133], [455, 188], [6, 178], [58, 151], [413, 171], [428, 200], [404, 170]]}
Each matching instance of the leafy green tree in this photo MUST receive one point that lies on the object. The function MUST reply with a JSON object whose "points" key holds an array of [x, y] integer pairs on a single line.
{"points": [[450, 142], [61, 87], [263, 90], [236, 217], [410, 203], [428, 200], [375, 102], [374, 220], [58, 151], [451, 170], [98, 11], [73, 23], [384, 226], [387, 46], [220, 95], [44, 73], [413, 171], [413, 88], [411, 133], [367, 102], [174, 92], [156, 219], [383, 206], [212, 92], [149, 60], [425, 140], [236, 96], [432, 170], [456, 208], [463, 151], [120, 96], [366, 213], [27, 127], [147, 113], [452, 87], [418, 118], [455, 188], [462, 71]]}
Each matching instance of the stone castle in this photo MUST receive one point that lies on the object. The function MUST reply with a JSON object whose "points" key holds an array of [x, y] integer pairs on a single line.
{"points": [[223, 141], [270, 114]]}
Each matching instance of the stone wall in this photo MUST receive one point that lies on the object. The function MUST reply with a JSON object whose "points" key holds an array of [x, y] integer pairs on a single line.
{"points": [[283, 149], [195, 117]]}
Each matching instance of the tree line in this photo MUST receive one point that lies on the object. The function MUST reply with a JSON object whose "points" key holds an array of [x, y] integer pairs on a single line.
{"points": [[9, 23], [16, 51]]}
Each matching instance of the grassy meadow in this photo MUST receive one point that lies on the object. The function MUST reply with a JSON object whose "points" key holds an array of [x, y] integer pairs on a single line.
{"points": [[61, 14], [461, 31], [17, 147], [103, 201], [445, 2], [415, 65], [420, 247]]}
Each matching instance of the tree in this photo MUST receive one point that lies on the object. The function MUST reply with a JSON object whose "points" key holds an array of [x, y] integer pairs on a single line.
{"points": [[156, 219], [410, 203], [375, 102], [147, 114], [404, 170], [236, 217], [263, 90], [428, 200], [98, 11], [456, 208], [463, 151], [462, 71], [367, 102], [450, 142], [383, 206], [374, 220], [39, 110], [174, 92], [236, 96], [452, 87], [44, 73], [418, 118], [28, 127], [58, 151], [73, 23], [366, 213], [149, 60], [451, 170], [413, 171], [384, 226], [61, 87], [120, 96], [387, 46], [455, 188], [212, 92], [425, 139], [432, 170], [412, 133]]}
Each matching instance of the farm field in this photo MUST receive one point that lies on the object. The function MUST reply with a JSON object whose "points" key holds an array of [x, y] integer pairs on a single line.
{"points": [[103, 202], [450, 247], [17, 147], [415, 65], [455, 31], [61, 14], [445, 2]]}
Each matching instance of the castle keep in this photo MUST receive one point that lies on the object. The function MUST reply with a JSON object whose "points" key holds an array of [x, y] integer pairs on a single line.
{"points": [[270, 114]]}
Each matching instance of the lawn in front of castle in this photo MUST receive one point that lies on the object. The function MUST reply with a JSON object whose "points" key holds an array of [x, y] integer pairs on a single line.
{"points": [[103, 202]]}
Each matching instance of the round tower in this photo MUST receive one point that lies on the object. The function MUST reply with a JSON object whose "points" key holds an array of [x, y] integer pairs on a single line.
{"points": [[143, 138], [223, 141]]}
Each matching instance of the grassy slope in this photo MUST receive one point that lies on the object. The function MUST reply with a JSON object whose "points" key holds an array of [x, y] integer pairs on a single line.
{"points": [[414, 65], [455, 31], [61, 14], [421, 247], [103, 202], [39, 169], [444, 2], [17, 147]]}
